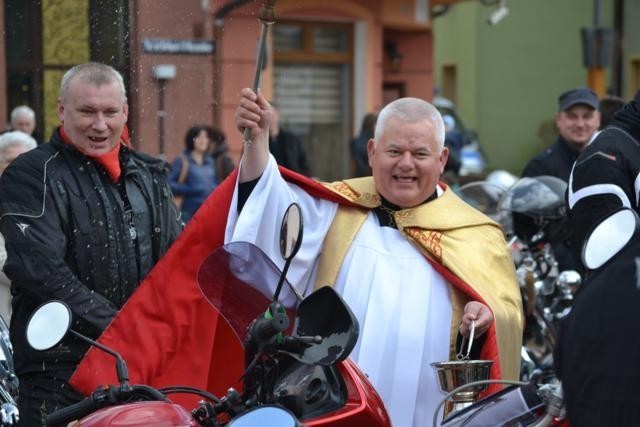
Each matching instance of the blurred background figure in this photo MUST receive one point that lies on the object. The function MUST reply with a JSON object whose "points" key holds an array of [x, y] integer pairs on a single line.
{"points": [[453, 140], [193, 173], [12, 144], [358, 146], [608, 107], [219, 150], [23, 118], [287, 148], [578, 119]]}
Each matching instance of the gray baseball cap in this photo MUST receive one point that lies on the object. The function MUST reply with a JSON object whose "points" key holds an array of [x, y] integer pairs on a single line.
{"points": [[578, 96]]}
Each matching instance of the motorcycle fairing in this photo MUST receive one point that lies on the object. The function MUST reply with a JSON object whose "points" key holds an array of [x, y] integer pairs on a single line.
{"points": [[239, 281]]}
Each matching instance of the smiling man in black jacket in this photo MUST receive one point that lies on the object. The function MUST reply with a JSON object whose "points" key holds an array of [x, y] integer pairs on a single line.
{"points": [[577, 120], [85, 219]]}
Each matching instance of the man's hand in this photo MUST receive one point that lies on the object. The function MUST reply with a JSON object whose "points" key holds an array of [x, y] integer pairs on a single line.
{"points": [[479, 312], [255, 113]]}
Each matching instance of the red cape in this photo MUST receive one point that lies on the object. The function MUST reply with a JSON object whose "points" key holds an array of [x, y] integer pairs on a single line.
{"points": [[167, 331]]}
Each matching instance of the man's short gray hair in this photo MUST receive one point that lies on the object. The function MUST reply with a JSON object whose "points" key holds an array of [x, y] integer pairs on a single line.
{"points": [[411, 110], [94, 73], [16, 138], [22, 111]]}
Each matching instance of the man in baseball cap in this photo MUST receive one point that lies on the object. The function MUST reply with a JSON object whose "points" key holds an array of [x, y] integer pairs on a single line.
{"points": [[577, 120]]}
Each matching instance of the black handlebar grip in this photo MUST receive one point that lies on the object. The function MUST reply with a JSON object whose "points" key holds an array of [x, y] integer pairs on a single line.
{"points": [[64, 416], [264, 329]]}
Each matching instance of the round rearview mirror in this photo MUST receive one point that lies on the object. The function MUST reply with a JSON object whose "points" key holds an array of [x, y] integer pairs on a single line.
{"points": [[608, 238], [291, 231], [265, 416], [48, 325]]}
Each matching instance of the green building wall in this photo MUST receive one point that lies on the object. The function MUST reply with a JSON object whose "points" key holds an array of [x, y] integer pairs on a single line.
{"points": [[509, 76], [631, 44]]}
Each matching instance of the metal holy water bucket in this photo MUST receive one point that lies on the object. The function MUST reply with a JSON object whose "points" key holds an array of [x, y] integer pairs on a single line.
{"points": [[453, 374]]}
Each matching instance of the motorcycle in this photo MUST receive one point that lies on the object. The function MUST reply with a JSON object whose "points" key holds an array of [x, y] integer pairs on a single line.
{"points": [[540, 226], [531, 212], [9, 415], [519, 404], [543, 404], [293, 373]]}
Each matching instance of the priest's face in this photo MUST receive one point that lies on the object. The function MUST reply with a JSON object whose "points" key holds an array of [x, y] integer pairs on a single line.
{"points": [[407, 161]]}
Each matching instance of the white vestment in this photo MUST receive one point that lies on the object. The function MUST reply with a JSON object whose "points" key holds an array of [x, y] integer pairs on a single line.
{"points": [[402, 304]]}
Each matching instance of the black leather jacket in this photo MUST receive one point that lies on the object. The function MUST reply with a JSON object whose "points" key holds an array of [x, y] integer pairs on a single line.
{"points": [[556, 160], [605, 176], [74, 235]]}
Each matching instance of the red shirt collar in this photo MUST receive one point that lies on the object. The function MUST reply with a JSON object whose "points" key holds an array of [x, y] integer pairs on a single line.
{"points": [[109, 161]]}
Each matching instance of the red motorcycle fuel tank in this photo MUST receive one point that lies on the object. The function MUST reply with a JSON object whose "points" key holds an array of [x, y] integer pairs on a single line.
{"points": [[140, 414]]}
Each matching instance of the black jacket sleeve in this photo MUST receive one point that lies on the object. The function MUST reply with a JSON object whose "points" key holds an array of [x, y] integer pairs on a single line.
{"points": [[36, 244]]}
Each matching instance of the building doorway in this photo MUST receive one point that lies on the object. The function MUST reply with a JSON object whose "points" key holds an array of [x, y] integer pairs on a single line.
{"points": [[312, 81]]}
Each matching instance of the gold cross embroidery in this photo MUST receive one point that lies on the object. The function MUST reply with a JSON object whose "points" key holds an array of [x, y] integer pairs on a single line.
{"points": [[429, 240]]}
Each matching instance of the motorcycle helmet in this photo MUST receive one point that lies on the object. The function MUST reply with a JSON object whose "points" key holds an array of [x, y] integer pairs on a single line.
{"points": [[538, 209], [501, 178], [485, 196]]}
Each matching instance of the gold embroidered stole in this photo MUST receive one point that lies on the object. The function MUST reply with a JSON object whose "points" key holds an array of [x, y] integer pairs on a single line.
{"points": [[452, 234]]}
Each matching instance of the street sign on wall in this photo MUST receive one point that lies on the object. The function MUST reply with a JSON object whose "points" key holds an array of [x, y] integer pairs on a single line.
{"points": [[172, 46]]}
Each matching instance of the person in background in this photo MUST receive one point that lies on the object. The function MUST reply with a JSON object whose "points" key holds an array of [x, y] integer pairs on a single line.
{"points": [[12, 144], [454, 141], [358, 146], [193, 173], [287, 148], [396, 246], [85, 218], [220, 153], [577, 120], [609, 105], [23, 118]]}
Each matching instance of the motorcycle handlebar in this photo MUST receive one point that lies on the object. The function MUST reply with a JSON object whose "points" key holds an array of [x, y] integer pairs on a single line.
{"points": [[64, 416], [149, 392], [99, 399], [265, 328]]}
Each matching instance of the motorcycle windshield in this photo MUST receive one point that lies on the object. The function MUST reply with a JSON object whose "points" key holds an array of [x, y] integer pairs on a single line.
{"points": [[540, 197], [485, 197], [482, 195], [239, 281]]}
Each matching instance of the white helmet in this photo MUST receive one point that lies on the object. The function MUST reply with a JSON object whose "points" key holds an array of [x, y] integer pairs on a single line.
{"points": [[502, 178]]}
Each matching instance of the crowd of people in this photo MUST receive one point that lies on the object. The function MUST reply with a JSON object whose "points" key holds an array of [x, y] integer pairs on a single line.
{"points": [[85, 218]]}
